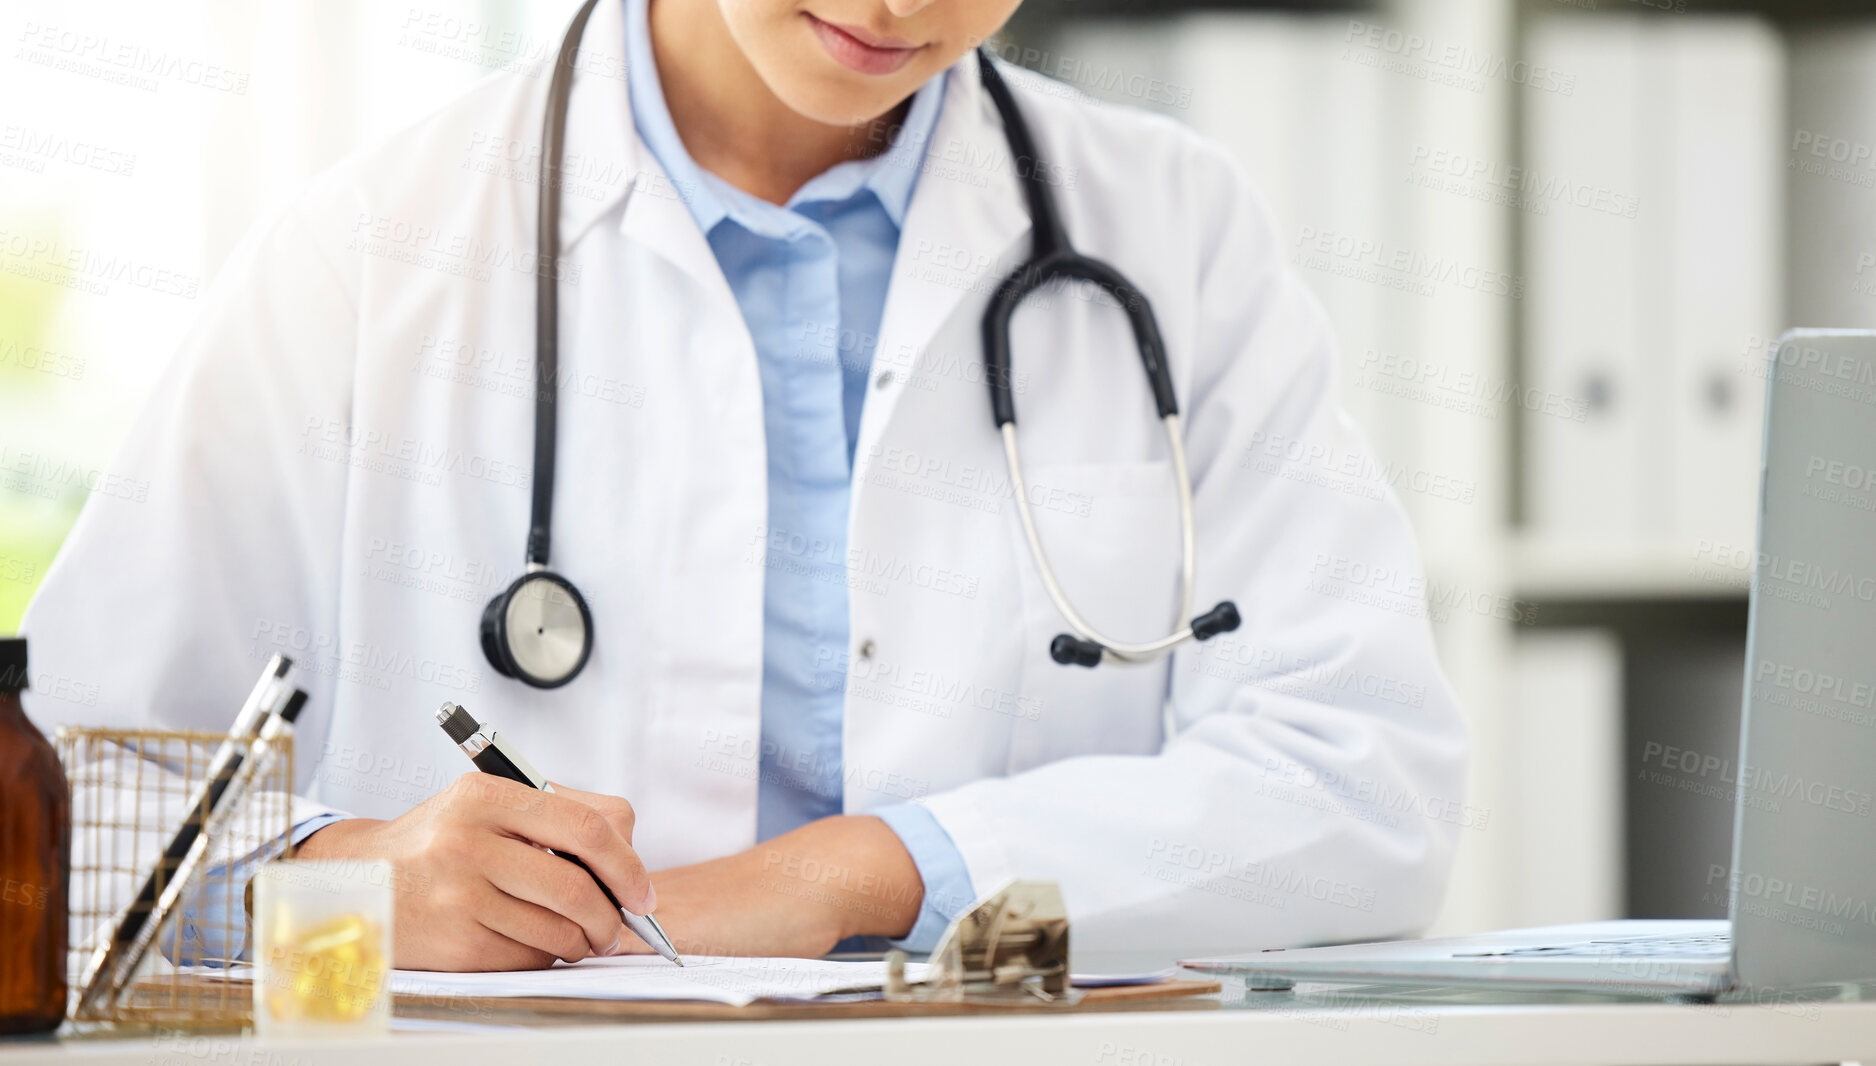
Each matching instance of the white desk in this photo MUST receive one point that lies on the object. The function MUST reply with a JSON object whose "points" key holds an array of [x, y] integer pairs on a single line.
{"points": [[1382, 1032]]}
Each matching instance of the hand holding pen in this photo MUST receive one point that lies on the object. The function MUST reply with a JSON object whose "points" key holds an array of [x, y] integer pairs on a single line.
{"points": [[474, 892], [495, 756]]}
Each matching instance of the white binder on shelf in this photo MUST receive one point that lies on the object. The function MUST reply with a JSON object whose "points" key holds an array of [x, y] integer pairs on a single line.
{"points": [[1567, 825], [1831, 257], [1650, 280], [1588, 469], [1723, 91]]}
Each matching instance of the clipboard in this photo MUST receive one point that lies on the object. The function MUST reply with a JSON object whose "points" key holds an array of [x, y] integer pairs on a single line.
{"points": [[1007, 954], [1182, 995]]}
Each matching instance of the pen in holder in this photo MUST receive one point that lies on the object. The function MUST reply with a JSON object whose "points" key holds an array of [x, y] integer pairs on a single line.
{"points": [[167, 827]]}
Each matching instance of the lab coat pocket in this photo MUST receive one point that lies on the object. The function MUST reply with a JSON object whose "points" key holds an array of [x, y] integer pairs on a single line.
{"points": [[1111, 533]]}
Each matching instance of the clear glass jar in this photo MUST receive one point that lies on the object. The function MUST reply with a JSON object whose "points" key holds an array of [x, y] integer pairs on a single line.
{"points": [[322, 948]]}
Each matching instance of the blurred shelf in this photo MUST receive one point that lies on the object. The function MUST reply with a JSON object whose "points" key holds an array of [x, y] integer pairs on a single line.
{"points": [[1036, 18], [1552, 572], [1051, 12], [1784, 10]]}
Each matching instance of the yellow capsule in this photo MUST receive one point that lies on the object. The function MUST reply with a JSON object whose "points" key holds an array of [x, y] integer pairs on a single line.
{"points": [[335, 970]]}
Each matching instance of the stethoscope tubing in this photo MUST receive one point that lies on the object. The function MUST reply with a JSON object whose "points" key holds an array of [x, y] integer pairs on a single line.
{"points": [[1121, 650], [547, 291], [1052, 257]]}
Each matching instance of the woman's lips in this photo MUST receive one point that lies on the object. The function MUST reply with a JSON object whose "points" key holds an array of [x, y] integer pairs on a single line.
{"points": [[856, 49]]}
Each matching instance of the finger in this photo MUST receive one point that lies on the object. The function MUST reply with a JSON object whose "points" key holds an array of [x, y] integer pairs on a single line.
{"points": [[475, 949], [531, 926], [617, 811], [492, 952], [565, 825], [533, 876]]}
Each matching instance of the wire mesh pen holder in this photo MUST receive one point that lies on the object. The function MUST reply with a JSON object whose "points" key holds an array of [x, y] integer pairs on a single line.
{"points": [[131, 789]]}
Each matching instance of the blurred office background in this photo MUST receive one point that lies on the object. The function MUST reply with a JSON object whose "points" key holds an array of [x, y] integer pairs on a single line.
{"points": [[1555, 237]]}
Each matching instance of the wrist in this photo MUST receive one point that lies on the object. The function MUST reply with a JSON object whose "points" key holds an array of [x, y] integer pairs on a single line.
{"points": [[347, 839]]}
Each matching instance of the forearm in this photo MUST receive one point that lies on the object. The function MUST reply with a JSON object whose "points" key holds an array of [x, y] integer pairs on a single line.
{"points": [[855, 866], [798, 894]]}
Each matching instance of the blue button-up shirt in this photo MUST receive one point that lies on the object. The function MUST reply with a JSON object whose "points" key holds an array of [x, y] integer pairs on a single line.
{"points": [[811, 279]]}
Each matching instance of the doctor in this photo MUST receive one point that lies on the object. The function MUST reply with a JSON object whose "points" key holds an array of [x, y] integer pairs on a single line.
{"points": [[819, 700]]}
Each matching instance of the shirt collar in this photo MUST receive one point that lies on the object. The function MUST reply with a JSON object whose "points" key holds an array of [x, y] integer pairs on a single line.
{"points": [[890, 176]]}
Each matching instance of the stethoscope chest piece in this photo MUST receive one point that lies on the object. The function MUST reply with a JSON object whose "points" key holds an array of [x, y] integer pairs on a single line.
{"points": [[538, 631]]}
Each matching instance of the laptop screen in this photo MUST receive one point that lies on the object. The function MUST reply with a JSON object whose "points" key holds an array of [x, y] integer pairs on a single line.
{"points": [[1803, 884]]}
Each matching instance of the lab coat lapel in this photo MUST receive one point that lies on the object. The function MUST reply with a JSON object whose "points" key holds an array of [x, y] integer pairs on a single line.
{"points": [[605, 155], [967, 202], [658, 219]]}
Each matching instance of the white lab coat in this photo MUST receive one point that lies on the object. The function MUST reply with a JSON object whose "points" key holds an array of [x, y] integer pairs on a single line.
{"points": [[337, 467]]}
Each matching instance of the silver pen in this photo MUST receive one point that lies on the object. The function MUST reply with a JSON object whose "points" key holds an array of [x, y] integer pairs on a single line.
{"points": [[493, 755]]}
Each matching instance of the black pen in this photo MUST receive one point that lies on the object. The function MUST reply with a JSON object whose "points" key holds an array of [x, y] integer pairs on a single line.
{"points": [[493, 755]]}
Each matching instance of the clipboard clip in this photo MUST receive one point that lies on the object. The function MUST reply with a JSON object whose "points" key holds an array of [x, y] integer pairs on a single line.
{"points": [[1011, 946]]}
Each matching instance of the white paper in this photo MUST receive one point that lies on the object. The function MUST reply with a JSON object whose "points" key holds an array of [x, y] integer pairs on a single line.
{"points": [[713, 979]]}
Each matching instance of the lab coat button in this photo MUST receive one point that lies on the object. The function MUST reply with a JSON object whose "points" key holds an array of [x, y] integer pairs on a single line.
{"points": [[865, 654], [884, 379]]}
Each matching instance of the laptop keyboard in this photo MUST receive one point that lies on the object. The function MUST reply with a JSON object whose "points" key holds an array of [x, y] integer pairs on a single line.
{"points": [[1712, 945]]}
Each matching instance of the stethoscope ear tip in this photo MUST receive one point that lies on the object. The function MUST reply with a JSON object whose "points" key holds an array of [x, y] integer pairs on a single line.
{"points": [[1220, 619], [1070, 650]]}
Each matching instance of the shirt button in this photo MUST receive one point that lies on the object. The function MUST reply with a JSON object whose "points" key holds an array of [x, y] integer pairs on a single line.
{"points": [[884, 379], [865, 654]]}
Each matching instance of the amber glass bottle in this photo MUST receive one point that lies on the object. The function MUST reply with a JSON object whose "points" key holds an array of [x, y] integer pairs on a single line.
{"points": [[35, 862]]}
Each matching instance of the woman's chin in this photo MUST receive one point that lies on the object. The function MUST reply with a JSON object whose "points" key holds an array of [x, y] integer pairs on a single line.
{"points": [[835, 101]]}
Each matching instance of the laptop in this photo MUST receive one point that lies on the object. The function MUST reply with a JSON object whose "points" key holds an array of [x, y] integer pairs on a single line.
{"points": [[1803, 879]]}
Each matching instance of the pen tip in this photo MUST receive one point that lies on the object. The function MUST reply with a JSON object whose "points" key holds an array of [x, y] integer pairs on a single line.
{"points": [[677, 960]]}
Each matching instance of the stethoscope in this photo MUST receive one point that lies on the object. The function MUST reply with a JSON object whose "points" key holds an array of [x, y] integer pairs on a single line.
{"points": [[539, 631]]}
